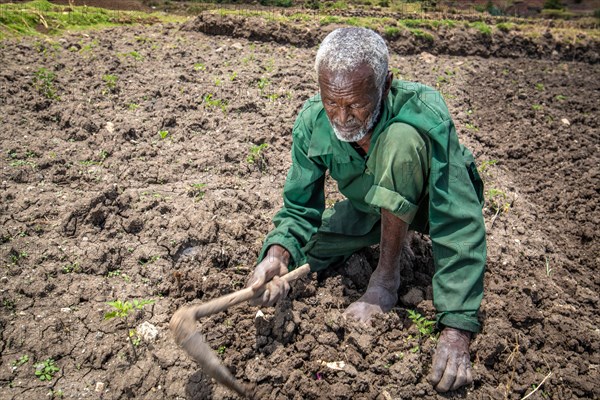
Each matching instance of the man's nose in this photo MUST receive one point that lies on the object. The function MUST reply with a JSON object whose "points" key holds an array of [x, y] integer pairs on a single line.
{"points": [[343, 115]]}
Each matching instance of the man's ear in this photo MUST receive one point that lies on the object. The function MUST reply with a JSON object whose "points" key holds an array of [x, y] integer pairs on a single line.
{"points": [[388, 83]]}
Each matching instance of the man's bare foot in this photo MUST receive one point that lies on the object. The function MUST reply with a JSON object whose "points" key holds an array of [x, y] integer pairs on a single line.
{"points": [[380, 297]]}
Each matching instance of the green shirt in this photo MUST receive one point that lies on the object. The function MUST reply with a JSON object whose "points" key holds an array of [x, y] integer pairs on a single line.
{"points": [[416, 169]]}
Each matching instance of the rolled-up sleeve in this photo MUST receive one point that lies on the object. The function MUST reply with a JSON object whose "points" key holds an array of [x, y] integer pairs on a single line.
{"points": [[399, 163]]}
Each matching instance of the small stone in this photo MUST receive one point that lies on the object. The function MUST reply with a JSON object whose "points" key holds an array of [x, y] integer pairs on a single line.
{"points": [[565, 121], [66, 310], [237, 46], [219, 50], [520, 230], [259, 314], [110, 127], [100, 387], [427, 57], [148, 332]]}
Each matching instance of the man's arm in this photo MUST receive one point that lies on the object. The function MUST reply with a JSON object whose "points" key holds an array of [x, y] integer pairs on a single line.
{"points": [[382, 292], [295, 222]]}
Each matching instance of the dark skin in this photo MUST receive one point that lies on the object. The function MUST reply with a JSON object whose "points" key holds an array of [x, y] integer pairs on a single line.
{"points": [[350, 100]]}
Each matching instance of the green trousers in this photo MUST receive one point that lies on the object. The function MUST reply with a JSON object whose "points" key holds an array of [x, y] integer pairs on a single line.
{"points": [[344, 231]]}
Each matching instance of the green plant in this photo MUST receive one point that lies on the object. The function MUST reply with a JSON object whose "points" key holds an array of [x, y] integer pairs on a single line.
{"points": [[134, 337], [163, 134], [197, 191], [122, 310], [498, 201], [199, 67], [471, 126], [485, 165], [560, 97], [263, 83], [212, 102], [72, 267], [233, 76], [256, 155], [133, 54], [43, 81], [133, 106], [46, 369], [424, 326], [218, 82], [536, 107], [24, 359], [111, 83], [539, 87], [221, 350], [548, 269]]}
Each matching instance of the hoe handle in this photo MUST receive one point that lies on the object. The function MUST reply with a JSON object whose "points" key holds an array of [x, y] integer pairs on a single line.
{"points": [[224, 302], [183, 327]]}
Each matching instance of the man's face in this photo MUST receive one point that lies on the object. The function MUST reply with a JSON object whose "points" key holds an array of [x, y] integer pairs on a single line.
{"points": [[351, 101]]}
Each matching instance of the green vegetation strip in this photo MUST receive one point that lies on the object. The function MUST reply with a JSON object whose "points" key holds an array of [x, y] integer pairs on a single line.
{"points": [[41, 16], [392, 27]]}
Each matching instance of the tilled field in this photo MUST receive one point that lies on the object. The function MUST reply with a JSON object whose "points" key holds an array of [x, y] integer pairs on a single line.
{"points": [[132, 168]]}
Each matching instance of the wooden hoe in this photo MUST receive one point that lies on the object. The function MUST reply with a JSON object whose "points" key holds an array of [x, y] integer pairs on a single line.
{"points": [[183, 327]]}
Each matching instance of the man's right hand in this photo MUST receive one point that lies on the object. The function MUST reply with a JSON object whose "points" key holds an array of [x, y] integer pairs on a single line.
{"points": [[274, 265]]}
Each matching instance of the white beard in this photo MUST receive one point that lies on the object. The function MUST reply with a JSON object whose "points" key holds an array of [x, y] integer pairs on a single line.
{"points": [[362, 132]]}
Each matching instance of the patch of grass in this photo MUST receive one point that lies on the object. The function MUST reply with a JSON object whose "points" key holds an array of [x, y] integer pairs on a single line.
{"points": [[536, 107], [391, 31], [43, 81], [40, 16], [133, 54], [505, 26], [482, 27], [422, 34], [560, 97], [199, 67], [46, 369], [539, 87]]}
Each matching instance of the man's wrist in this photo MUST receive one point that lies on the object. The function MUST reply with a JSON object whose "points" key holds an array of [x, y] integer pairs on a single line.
{"points": [[280, 253]]}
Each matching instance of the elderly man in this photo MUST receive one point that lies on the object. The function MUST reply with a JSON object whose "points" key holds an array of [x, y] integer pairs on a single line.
{"points": [[393, 150]]}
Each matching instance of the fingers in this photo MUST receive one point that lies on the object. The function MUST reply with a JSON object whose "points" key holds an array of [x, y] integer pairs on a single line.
{"points": [[462, 376], [451, 367], [276, 290], [449, 376], [440, 359]]}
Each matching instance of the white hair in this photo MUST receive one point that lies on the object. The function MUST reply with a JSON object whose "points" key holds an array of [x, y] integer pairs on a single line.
{"points": [[345, 49]]}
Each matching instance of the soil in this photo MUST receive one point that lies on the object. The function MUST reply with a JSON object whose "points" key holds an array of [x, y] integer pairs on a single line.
{"points": [[102, 199]]}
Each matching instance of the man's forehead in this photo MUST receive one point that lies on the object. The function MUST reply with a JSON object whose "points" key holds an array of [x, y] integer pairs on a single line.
{"points": [[361, 75]]}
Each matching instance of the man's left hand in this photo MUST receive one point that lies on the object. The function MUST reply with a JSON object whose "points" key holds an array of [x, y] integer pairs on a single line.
{"points": [[451, 367]]}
